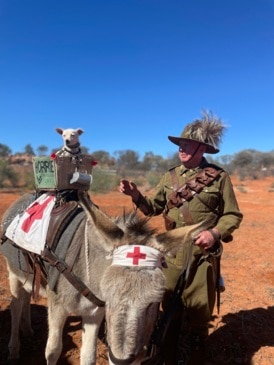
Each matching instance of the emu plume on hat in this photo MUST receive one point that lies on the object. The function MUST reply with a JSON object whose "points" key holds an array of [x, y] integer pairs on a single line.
{"points": [[208, 131]]}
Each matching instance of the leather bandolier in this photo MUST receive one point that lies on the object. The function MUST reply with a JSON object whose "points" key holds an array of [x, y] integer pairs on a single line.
{"points": [[181, 195]]}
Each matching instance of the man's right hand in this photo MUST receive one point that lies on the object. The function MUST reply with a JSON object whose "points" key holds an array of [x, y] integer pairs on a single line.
{"points": [[129, 188]]}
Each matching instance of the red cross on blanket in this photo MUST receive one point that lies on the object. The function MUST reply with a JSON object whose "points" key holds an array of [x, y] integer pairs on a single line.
{"points": [[35, 211], [29, 230]]}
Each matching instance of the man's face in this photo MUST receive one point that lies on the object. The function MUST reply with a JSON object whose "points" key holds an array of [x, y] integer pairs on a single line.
{"points": [[188, 147], [191, 152]]}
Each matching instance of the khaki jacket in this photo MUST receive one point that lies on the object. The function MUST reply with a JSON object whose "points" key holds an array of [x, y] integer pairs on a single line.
{"points": [[218, 201]]}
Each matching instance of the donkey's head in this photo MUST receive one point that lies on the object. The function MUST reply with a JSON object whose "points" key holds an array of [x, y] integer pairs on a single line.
{"points": [[133, 285]]}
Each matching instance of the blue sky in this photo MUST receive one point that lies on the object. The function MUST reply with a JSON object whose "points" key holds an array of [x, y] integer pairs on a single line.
{"points": [[132, 72]]}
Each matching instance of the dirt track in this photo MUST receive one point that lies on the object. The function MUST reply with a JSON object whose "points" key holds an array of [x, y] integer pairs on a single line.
{"points": [[243, 333]]}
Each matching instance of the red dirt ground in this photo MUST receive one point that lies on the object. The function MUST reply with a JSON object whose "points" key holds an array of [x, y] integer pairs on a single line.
{"points": [[243, 332]]}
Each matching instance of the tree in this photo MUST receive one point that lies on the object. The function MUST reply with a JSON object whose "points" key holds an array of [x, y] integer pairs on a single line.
{"points": [[29, 150], [42, 150], [127, 159], [8, 177], [243, 158], [173, 160], [5, 151], [153, 162], [103, 158], [267, 160]]}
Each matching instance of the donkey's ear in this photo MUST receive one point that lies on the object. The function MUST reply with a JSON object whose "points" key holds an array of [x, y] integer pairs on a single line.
{"points": [[104, 223], [59, 130]]}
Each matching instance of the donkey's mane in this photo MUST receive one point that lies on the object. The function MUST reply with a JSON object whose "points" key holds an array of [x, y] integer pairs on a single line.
{"points": [[135, 224]]}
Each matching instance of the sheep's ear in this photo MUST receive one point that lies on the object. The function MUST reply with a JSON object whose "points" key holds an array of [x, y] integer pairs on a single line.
{"points": [[59, 130], [79, 131]]}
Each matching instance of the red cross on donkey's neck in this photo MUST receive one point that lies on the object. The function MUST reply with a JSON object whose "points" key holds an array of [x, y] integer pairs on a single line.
{"points": [[136, 255]]}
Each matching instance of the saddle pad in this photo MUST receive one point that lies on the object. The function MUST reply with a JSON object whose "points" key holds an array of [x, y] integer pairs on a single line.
{"points": [[63, 246], [15, 256]]}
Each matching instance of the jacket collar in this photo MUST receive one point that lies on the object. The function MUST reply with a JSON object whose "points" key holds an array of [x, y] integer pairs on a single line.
{"points": [[204, 163]]}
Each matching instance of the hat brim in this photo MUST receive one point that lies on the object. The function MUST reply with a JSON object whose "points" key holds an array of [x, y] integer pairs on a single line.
{"points": [[178, 140]]}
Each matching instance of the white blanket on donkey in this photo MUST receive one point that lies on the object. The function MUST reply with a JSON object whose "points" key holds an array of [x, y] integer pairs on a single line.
{"points": [[29, 229]]}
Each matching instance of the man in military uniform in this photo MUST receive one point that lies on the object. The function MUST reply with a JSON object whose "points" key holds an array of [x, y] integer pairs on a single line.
{"points": [[189, 193]]}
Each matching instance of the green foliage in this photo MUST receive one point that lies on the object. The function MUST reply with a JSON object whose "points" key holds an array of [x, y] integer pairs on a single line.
{"points": [[16, 170], [104, 180], [139, 179], [104, 158], [127, 159], [29, 150], [153, 178], [8, 177], [5, 151], [28, 178], [42, 150]]}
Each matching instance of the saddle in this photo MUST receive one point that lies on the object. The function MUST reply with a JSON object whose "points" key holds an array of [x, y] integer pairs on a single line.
{"points": [[58, 241], [47, 267], [60, 217]]}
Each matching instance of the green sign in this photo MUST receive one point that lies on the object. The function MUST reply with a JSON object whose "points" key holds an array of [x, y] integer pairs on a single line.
{"points": [[44, 172]]}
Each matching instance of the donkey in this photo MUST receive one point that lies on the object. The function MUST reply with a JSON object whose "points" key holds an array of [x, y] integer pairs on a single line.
{"points": [[104, 253]]}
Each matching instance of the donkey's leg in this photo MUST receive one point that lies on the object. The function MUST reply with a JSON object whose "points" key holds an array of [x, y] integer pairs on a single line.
{"points": [[91, 325], [56, 321], [20, 303], [25, 323]]}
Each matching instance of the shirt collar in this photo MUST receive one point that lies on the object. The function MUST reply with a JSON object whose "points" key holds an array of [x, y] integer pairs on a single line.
{"points": [[202, 165]]}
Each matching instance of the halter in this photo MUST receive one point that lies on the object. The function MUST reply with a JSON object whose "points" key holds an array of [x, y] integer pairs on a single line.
{"points": [[114, 359]]}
